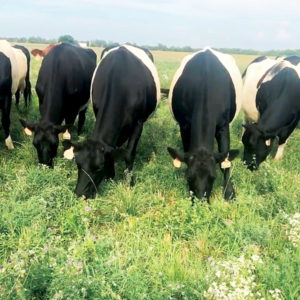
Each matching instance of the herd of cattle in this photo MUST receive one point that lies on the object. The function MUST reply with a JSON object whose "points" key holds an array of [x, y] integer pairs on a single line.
{"points": [[206, 94]]}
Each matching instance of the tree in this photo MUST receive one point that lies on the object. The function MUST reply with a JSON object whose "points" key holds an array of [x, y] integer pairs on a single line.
{"points": [[67, 39]]}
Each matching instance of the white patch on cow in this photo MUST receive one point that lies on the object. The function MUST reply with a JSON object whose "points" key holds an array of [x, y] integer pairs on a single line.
{"points": [[7, 50], [229, 64], [69, 154], [95, 72], [278, 68], [22, 68], [142, 56], [279, 152], [9, 143], [66, 135], [254, 73]]}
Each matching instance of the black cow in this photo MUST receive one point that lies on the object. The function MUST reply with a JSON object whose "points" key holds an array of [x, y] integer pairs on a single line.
{"points": [[125, 91], [6, 96], [205, 97], [278, 103], [63, 88], [27, 90]]}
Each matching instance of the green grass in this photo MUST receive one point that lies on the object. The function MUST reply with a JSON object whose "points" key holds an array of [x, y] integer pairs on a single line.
{"points": [[146, 241]]}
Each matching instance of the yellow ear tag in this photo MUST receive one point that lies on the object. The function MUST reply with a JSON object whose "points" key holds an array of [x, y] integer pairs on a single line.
{"points": [[69, 154], [27, 131], [176, 163], [66, 135], [225, 164], [268, 142]]}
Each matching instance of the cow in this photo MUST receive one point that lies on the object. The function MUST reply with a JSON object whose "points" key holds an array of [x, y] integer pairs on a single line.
{"points": [[9, 81], [27, 89], [125, 91], [63, 89], [37, 53], [205, 96], [275, 103]]}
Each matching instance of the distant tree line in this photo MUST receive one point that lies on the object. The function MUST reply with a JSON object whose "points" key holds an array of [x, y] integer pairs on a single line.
{"points": [[160, 46]]}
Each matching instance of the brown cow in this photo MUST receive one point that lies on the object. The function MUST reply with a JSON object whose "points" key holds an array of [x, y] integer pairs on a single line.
{"points": [[37, 53]]}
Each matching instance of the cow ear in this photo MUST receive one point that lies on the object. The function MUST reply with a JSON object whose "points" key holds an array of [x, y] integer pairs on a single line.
{"points": [[28, 126], [62, 128], [68, 144], [70, 148], [233, 154], [178, 157]]}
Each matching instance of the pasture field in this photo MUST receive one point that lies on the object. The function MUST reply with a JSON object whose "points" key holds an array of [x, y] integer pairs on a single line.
{"points": [[147, 241]]}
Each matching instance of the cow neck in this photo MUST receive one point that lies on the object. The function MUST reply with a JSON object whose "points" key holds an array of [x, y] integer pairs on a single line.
{"points": [[52, 111], [106, 130], [203, 129]]}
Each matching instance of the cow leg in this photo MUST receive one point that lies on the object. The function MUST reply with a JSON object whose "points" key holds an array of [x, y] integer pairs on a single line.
{"points": [[223, 139], [132, 144], [185, 133], [6, 122], [110, 167], [17, 95], [69, 120], [81, 120], [131, 149], [283, 136]]}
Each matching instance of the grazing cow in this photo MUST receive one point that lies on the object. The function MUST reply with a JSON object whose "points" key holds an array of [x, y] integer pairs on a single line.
{"points": [[9, 80], [27, 89], [276, 105], [37, 53], [125, 91], [63, 88], [205, 97]]}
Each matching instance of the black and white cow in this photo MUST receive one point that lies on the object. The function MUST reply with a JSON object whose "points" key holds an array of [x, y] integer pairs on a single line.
{"points": [[63, 88], [205, 97], [24, 88], [9, 80], [125, 91], [272, 109]]}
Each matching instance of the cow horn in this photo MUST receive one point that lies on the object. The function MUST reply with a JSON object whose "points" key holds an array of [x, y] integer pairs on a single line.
{"points": [[268, 142]]}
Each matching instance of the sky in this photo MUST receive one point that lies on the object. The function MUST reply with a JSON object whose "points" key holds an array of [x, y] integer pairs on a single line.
{"points": [[247, 24]]}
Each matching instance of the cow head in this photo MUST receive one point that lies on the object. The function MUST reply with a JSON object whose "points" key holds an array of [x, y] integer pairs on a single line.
{"points": [[257, 146], [201, 168], [45, 139], [94, 163]]}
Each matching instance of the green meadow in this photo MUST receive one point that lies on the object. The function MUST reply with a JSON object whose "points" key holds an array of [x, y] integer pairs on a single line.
{"points": [[147, 241]]}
